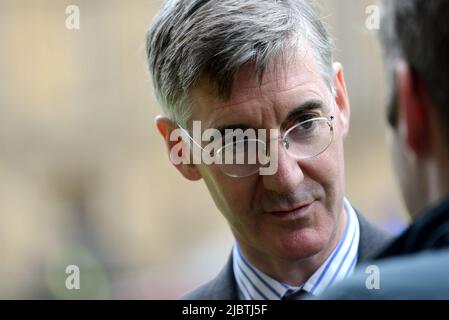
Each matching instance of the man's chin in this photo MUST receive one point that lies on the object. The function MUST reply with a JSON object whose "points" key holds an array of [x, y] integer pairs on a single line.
{"points": [[301, 244]]}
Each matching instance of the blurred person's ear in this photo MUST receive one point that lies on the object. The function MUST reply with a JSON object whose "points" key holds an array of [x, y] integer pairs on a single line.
{"points": [[341, 99], [166, 127], [413, 122]]}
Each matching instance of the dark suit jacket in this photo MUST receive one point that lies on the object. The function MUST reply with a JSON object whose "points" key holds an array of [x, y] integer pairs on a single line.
{"points": [[415, 266], [223, 286]]}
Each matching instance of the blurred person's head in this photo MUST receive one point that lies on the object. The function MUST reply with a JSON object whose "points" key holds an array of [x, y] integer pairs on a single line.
{"points": [[415, 38], [257, 64]]}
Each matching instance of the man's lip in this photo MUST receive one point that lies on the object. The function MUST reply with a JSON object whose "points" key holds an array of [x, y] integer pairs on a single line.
{"points": [[282, 212]]}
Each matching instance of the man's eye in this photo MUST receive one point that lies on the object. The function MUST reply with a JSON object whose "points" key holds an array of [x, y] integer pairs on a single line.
{"points": [[306, 117], [307, 125]]}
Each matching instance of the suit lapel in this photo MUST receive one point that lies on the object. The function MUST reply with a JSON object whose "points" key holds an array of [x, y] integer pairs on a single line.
{"points": [[372, 239], [224, 287]]}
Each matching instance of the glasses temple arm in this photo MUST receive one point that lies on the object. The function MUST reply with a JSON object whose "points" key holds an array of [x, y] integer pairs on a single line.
{"points": [[191, 138]]}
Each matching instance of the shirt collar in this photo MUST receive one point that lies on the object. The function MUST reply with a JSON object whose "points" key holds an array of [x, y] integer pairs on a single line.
{"points": [[253, 284]]}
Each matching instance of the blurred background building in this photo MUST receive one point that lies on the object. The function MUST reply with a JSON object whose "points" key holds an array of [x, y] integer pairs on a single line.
{"points": [[84, 177]]}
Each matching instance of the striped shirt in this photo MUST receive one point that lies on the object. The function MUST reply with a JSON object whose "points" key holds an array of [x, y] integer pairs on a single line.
{"points": [[253, 284]]}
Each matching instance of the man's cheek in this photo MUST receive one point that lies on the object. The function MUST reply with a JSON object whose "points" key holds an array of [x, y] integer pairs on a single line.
{"points": [[323, 168]]}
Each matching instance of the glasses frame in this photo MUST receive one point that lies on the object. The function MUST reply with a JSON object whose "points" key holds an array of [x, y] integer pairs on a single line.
{"points": [[282, 138]]}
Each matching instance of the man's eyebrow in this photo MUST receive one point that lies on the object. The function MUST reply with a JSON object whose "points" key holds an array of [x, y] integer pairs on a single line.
{"points": [[233, 127], [313, 104], [306, 106], [309, 105]]}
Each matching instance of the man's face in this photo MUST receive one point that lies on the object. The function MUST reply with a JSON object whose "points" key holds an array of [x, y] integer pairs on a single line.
{"points": [[263, 210]]}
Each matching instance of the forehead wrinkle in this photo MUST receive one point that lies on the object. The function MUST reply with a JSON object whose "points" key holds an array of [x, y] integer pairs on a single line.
{"points": [[276, 84], [255, 93], [220, 112], [271, 96], [279, 104]]}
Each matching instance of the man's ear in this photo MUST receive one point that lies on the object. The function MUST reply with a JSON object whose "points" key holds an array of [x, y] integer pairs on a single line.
{"points": [[413, 122], [178, 150], [341, 99]]}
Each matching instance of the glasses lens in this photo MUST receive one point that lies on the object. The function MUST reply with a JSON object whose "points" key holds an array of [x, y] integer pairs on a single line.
{"points": [[242, 158], [309, 138]]}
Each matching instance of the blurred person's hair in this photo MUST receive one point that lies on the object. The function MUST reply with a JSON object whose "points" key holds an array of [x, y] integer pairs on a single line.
{"points": [[190, 40], [417, 31]]}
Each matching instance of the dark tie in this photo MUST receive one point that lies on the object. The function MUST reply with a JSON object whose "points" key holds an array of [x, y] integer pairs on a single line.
{"points": [[298, 295]]}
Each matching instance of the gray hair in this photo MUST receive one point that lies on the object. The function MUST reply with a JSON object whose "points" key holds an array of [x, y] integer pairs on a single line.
{"points": [[189, 40], [418, 32]]}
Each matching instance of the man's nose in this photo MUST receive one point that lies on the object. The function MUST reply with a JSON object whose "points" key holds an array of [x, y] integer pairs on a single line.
{"points": [[288, 175]]}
